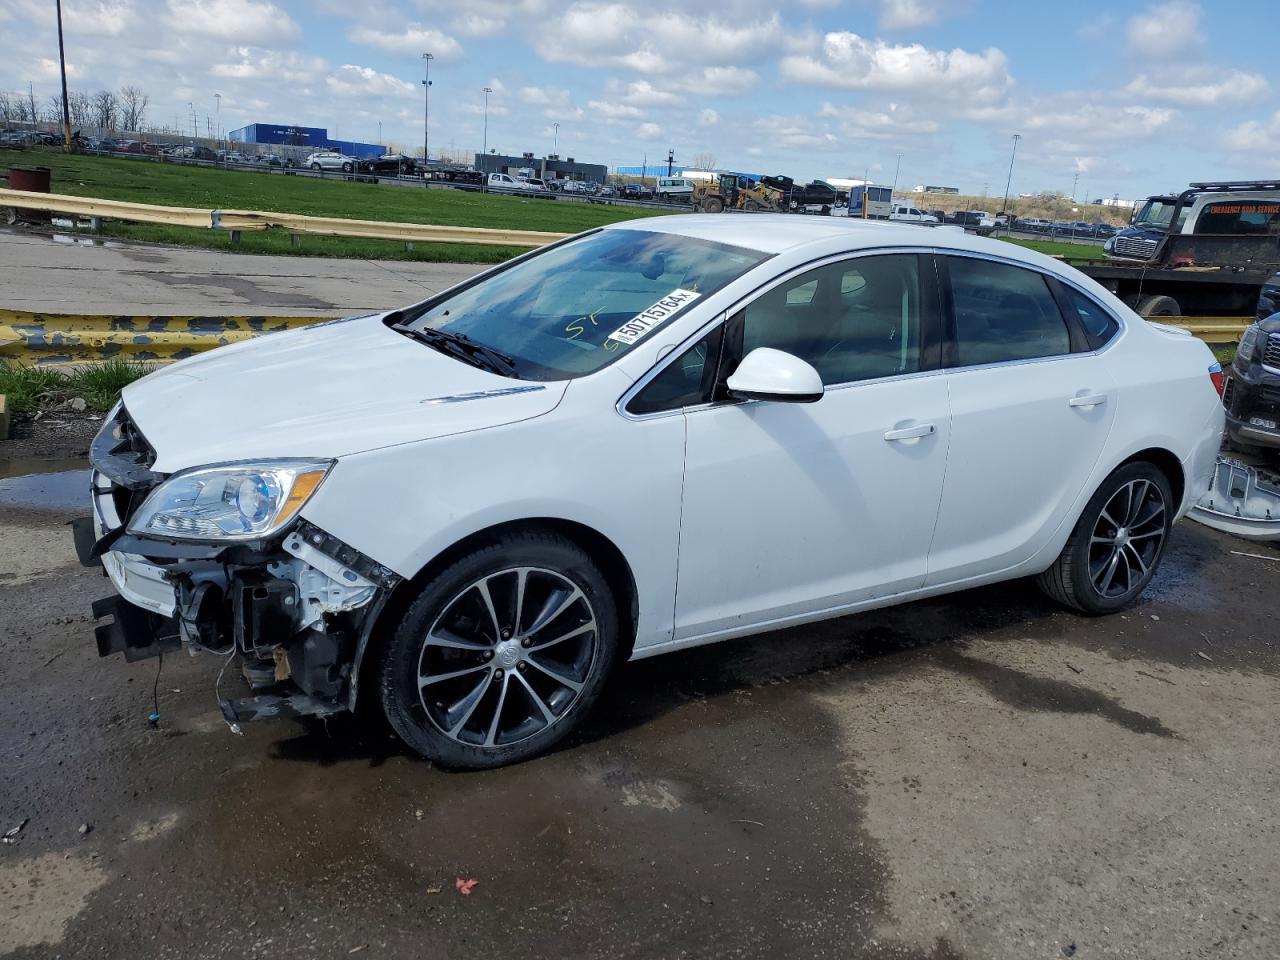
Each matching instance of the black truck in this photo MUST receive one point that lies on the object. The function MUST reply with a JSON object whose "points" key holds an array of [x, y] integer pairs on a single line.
{"points": [[1217, 269]]}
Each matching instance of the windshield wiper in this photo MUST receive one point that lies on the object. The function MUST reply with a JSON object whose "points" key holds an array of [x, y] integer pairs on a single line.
{"points": [[461, 347]]}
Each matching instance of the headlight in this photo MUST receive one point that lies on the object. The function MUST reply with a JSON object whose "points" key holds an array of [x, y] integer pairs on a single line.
{"points": [[242, 501], [1244, 352]]}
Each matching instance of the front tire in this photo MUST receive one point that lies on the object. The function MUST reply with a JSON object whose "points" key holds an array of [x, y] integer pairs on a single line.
{"points": [[1116, 545], [501, 654]]}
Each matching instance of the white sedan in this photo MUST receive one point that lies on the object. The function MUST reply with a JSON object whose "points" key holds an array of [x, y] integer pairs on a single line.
{"points": [[651, 436]]}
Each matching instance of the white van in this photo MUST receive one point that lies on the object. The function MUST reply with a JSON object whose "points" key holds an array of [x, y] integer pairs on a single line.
{"points": [[673, 188], [908, 214]]}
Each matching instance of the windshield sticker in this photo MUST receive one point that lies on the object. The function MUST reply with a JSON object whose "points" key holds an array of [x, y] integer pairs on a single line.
{"points": [[643, 322]]}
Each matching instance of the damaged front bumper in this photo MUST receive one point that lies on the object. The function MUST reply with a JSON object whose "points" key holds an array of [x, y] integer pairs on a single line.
{"points": [[297, 607]]}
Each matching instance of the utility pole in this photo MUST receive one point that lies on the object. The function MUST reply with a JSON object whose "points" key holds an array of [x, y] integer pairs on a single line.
{"points": [[1074, 182], [62, 65], [426, 107], [1004, 208], [896, 167], [484, 153], [671, 160], [217, 98]]}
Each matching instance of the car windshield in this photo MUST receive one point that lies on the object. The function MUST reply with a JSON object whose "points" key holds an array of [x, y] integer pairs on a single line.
{"points": [[578, 306], [1156, 214]]}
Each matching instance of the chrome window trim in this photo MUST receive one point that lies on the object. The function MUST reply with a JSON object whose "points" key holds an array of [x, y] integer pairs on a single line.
{"points": [[641, 382]]}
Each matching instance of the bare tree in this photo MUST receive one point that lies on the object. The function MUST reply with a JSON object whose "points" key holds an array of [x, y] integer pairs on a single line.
{"points": [[704, 161], [7, 109], [31, 114], [53, 110], [105, 109], [81, 108], [133, 107]]}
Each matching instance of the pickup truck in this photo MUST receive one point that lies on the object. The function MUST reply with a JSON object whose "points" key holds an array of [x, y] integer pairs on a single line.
{"points": [[904, 213], [979, 221]]}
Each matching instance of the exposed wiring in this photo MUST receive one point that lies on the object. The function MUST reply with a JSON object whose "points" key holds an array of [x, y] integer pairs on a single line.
{"points": [[217, 691], [154, 719]]}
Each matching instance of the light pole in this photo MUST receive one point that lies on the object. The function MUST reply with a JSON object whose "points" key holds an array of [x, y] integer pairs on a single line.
{"points": [[896, 168], [217, 99], [1004, 208], [426, 106], [555, 144], [62, 66], [484, 151]]}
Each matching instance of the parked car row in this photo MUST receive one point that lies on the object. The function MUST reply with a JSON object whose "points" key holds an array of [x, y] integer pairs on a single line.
{"points": [[26, 138], [1073, 228]]}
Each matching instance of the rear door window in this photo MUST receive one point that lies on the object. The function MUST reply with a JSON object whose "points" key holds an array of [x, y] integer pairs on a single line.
{"points": [[1240, 217], [1003, 313]]}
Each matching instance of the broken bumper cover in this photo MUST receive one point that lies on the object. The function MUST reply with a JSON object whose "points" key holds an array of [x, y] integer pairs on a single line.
{"points": [[300, 603]]}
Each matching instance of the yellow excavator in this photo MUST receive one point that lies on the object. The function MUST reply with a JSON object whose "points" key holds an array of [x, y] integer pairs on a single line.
{"points": [[732, 192]]}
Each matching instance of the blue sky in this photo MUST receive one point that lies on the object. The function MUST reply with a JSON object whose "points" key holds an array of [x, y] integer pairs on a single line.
{"points": [[1131, 98]]}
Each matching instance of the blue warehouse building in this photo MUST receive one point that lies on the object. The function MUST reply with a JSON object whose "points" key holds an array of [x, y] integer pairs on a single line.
{"points": [[314, 138]]}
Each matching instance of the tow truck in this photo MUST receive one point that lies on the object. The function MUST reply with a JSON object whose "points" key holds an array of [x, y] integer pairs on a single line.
{"points": [[1206, 252]]}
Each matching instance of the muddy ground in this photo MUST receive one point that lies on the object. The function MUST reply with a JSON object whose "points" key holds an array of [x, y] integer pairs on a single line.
{"points": [[980, 776]]}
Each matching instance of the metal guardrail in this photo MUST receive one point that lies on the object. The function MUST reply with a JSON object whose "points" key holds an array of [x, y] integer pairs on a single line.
{"points": [[54, 338], [239, 220]]}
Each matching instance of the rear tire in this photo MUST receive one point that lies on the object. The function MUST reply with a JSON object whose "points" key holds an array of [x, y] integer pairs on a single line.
{"points": [[1158, 306], [714, 205], [1116, 545], [501, 654]]}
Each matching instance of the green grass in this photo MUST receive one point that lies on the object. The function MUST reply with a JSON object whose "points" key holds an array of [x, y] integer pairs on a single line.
{"points": [[1060, 248], [147, 181], [31, 388]]}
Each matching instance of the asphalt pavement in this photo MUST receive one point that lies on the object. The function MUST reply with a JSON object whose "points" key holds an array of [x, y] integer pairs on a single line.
{"points": [[79, 274], [977, 776]]}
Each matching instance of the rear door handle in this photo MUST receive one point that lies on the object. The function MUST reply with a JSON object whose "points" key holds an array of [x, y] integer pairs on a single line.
{"points": [[910, 433], [1088, 400]]}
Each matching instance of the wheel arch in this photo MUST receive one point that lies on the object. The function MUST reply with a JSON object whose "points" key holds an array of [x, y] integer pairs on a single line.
{"points": [[613, 564], [1164, 460]]}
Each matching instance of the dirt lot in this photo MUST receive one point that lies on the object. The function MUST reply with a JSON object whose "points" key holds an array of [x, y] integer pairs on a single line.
{"points": [[982, 776]]}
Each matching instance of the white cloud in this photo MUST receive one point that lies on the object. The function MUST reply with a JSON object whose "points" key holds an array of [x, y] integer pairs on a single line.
{"points": [[1165, 28], [651, 42], [252, 63], [543, 96], [351, 80], [889, 124], [907, 14], [708, 118], [850, 62], [413, 38], [94, 17], [645, 94], [475, 25], [1256, 136], [1214, 87], [610, 109], [648, 131], [243, 21]]}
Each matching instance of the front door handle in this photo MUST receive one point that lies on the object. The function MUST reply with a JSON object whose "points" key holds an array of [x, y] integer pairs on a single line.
{"points": [[1088, 400], [911, 433]]}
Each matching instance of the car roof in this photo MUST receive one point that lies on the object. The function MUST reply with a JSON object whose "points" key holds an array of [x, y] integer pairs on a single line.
{"points": [[777, 233]]}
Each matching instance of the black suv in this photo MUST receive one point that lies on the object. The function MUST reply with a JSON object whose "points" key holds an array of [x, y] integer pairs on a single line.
{"points": [[1251, 394]]}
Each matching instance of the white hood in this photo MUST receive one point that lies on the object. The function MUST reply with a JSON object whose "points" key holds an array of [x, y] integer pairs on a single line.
{"points": [[323, 391]]}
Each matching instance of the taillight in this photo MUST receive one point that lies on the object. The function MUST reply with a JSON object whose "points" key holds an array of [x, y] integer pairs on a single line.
{"points": [[1215, 374]]}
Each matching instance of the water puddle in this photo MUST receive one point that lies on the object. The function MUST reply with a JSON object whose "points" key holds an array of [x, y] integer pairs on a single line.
{"points": [[46, 484], [81, 241]]}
